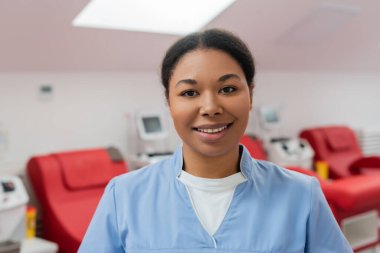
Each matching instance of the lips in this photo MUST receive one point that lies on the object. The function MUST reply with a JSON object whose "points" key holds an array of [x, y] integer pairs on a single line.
{"points": [[212, 129]]}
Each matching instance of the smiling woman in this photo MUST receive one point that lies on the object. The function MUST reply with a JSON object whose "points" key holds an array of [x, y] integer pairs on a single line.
{"points": [[211, 195], [209, 101]]}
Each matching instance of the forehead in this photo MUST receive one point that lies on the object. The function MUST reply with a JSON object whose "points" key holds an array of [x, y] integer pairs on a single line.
{"points": [[202, 63]]}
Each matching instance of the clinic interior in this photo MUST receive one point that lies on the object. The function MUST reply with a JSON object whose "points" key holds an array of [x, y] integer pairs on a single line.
{"points": [[66, 88]]}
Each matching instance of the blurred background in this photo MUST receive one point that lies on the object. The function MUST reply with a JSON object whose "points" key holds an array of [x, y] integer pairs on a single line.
{"points": [[319, 61]]}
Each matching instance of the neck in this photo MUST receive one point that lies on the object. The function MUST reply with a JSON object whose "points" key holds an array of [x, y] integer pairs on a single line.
{"points": [[220, 166]]}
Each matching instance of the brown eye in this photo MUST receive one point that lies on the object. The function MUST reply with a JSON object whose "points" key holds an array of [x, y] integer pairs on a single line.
{"points": [[227, 90], [189, 93]]}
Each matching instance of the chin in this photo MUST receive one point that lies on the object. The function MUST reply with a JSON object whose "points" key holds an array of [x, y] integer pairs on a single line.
{"points": [[210, 150]]}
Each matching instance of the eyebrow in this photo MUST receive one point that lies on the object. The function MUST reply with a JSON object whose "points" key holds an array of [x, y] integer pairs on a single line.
{"points": [[186, 81], [228, 76], [221, 79]]}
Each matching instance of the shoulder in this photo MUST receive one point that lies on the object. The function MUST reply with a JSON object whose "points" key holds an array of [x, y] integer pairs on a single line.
{"points": [[277, 172], [143, 177], [138, 188], [278, 179]]}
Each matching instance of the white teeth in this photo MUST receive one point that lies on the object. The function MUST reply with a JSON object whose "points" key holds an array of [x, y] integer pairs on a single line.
{"points": [[212, 131]]}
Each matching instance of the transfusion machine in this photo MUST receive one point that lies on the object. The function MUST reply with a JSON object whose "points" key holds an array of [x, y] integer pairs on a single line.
{"points": [[284, 151], [13, 199], [151, 129]]}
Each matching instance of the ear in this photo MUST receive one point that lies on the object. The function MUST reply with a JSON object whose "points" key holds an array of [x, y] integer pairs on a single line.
{"points": [[250, 87]]}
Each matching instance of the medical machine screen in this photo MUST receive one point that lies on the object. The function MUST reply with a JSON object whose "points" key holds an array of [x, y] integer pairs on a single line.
{"points": [[270, 115], [152, 124]]}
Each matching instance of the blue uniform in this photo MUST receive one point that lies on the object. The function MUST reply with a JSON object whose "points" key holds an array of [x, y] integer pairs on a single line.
{"points": [[274, 211]]}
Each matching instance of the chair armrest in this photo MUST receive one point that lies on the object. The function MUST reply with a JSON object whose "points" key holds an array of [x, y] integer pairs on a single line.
{"points": [[369, 162], [353, 193]]}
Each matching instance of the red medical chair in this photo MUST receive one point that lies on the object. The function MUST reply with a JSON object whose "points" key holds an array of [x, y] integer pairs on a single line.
{"points": [[339, 147], [254, 147], [68, 186], [354, 196]]}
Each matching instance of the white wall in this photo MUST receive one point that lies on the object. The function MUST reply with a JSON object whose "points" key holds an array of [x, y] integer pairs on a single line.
{"points": [[312, 99], [87, 110], [96, 109]]}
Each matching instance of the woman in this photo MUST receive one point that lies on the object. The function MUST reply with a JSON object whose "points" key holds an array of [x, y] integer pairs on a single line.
{"points": [[211, 196]]}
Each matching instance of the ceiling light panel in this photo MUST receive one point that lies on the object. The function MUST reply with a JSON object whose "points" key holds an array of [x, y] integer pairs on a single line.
{"points": [[157, 16]]}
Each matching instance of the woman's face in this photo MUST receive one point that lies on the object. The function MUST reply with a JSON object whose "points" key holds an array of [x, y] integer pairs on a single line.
{"points": [[209, 101]]}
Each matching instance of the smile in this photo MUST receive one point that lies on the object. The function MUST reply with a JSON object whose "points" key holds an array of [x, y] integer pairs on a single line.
{"points": [[213, 130]]}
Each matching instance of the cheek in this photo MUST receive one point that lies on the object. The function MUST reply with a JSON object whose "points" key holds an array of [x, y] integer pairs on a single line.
{"points": [[182, 114], [240, 107]]}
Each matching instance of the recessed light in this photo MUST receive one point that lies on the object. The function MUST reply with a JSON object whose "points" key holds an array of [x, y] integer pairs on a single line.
{"points": [[158, 16]]}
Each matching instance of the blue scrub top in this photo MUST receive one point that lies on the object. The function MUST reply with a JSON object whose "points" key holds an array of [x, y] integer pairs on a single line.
{"points": [[275, 211]]}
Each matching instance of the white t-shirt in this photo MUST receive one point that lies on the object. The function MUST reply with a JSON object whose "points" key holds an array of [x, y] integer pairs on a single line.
{"points": [[211, 198]]}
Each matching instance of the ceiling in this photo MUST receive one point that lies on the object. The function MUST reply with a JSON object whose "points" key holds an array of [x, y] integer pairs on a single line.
{"points": [[36, 35]]}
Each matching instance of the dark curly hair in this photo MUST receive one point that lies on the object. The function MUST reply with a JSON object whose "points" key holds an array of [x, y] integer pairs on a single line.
{"points": [[214, 39]]}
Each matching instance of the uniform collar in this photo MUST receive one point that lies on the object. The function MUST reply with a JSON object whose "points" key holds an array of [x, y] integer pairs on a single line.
{"points": [[245, 161]]}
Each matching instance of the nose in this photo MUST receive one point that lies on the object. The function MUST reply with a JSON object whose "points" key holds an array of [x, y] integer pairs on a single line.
{"points": [[210, 105]]}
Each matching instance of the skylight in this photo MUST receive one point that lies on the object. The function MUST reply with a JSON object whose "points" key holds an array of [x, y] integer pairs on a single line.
{"points": [[157, 16]]}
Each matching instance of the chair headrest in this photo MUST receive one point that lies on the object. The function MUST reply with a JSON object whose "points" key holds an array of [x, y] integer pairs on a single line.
{"points": [[85, 169], [338, 138]]}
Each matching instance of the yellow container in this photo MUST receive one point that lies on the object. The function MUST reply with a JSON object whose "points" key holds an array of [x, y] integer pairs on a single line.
{"points": [[322, 169], [31, 218]]}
